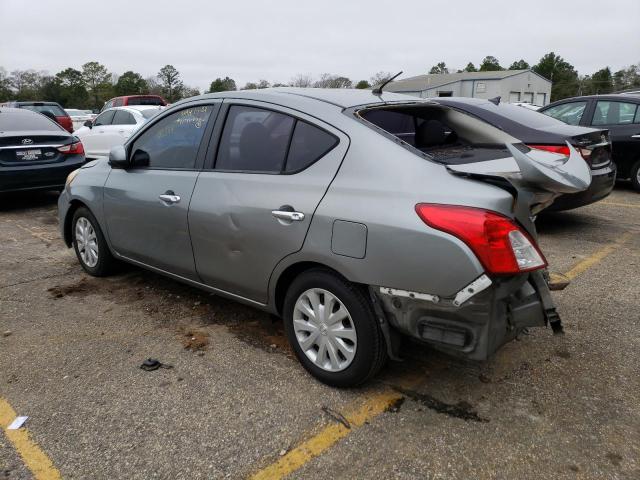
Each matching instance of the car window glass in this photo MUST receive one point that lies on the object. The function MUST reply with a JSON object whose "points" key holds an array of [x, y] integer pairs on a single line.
{"points": [[104, 118], [254, 139], [172, 142], [54, 110], [20, 121], [614, 113], [118, 102], [570, 113], [637, 117], [123, 118], [308, 144]]}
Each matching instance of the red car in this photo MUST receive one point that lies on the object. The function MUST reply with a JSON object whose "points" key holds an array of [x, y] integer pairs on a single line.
{"points": [[134, 100], [52, 110]]}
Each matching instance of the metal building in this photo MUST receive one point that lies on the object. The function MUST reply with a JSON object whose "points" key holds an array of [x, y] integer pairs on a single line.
{"points": [[511, 85]]}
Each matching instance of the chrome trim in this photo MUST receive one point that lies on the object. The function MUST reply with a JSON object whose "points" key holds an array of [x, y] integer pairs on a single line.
{"points": [[479, 284], [190, 282], [395, 292], [31, 146]]}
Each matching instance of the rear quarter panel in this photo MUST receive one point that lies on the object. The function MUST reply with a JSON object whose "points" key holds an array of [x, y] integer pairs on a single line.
{"points": [[378, 185]]}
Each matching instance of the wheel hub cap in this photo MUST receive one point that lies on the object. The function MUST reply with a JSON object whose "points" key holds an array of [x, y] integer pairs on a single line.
{"points": [[324, 330], [87, 242]]}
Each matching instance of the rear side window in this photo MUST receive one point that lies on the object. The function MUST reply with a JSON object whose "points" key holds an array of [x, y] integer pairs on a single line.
{"points": [[14, 122], [254, 140], [55, 110], [104, 118], [173, 142], [614, 113], [308, 144], [123, 118], [570, 113]]}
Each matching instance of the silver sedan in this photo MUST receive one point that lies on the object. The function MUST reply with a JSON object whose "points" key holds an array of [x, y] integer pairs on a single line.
{"points": [[359, 218]]}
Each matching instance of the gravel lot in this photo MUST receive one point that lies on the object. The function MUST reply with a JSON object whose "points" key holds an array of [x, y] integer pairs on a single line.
{"points": [[236, 401]]}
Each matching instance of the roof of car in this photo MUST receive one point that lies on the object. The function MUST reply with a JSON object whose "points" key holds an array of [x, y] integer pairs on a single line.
{"points": [[624, 97], [340, 97], [18, 111], [34, 102], [135, 108]]}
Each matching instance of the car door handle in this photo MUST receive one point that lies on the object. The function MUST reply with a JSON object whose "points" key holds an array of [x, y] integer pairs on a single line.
{"points": [[169, 197], [289, 216], [635, 136]]}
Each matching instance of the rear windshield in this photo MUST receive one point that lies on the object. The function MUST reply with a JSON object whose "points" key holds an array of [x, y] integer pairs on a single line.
{"points": [[445, 135], [14, 122], [53, 109], [517, 114], [145, 101], [152, 112]]}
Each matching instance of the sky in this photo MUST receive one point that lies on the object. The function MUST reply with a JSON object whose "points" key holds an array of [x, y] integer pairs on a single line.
{"points": [[250, 40]]}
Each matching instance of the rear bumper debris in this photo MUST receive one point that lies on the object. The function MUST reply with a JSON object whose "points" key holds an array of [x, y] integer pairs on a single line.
{"points": [[478, 320]]}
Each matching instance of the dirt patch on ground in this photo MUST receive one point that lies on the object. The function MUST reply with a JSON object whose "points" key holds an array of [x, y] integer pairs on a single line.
{"points": [[194, 339], [79, 288]]}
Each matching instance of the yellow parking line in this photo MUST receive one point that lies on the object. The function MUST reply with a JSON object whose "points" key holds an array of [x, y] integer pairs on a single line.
{"points": [[616, 204], [596, 257], [34, 458], [328, 436]]}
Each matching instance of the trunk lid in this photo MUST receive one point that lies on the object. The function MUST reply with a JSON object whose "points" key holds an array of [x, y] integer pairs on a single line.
{"points": [[32, 147], [534, 177]]}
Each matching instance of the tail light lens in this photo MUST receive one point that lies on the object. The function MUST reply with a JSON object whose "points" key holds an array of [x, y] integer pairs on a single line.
{"points": [[72, 149], [561, 149], [500, 244]]}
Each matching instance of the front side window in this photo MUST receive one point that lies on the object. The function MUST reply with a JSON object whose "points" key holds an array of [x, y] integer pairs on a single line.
{"points": [[104, 118], [173, 142], [614, 113], [570, 113], [123, 118]]}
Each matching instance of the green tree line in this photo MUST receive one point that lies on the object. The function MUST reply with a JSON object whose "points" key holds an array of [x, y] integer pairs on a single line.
{"points": [[93, 84], [566, 81]]}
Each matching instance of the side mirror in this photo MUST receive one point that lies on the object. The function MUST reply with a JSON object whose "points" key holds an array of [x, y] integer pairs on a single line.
{"points": [[118, 157], [140, 158], [88, 123]]}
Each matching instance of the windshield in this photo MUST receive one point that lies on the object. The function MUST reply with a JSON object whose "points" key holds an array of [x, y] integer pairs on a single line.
{"points": [[55, 110], [152, 112], [15, 122]]}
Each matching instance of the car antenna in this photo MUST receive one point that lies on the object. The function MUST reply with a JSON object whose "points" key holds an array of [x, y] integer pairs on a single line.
{"points": [[495, 100], [378, 91]]}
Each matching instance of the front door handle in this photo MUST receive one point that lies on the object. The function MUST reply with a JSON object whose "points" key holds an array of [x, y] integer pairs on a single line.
{"points": [[169, 197], [288, 216], [635, 136]]}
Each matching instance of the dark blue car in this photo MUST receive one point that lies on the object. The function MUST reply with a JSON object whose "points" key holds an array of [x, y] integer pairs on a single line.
{"points": [[35, 152]]}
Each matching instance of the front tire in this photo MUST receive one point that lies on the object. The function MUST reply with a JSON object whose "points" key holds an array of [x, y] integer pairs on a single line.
{"points": [[635, 176], [89, 244], [332, 329]]}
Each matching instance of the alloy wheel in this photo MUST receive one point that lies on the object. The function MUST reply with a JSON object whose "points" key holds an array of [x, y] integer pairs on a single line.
{"points": [[324, 330]]}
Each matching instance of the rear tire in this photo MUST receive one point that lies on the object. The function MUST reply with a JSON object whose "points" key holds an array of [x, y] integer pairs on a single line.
{"points": [[635, 176], [89, 244], [344, 349]]}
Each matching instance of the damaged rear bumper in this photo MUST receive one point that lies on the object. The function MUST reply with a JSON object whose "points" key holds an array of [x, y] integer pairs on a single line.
{"points": [[481, 318]]}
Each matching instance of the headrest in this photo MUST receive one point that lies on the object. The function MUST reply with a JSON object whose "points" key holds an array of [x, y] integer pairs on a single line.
{"points": [[430, 133]]}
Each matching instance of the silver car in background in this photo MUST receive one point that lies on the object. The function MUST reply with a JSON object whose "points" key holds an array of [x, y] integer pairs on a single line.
{"points": [[299, 202]]}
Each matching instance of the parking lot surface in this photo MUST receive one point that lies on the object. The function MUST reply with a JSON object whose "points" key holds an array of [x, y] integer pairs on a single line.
{"points": [[235, 403]]}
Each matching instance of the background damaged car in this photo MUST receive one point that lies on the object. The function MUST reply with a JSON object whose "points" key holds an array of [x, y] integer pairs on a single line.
{"points": [[301, 203]]}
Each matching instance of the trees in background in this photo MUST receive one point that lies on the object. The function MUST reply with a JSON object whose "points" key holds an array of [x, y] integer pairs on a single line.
{"points": [[131, 83], [563, 76], [490, 64], [439, 68], [170, 82], [222, 85], [93, 84]]}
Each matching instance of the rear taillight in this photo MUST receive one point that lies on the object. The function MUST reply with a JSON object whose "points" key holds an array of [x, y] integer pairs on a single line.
{"points": [[561, 149], [72, 149], [502, 246]]}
